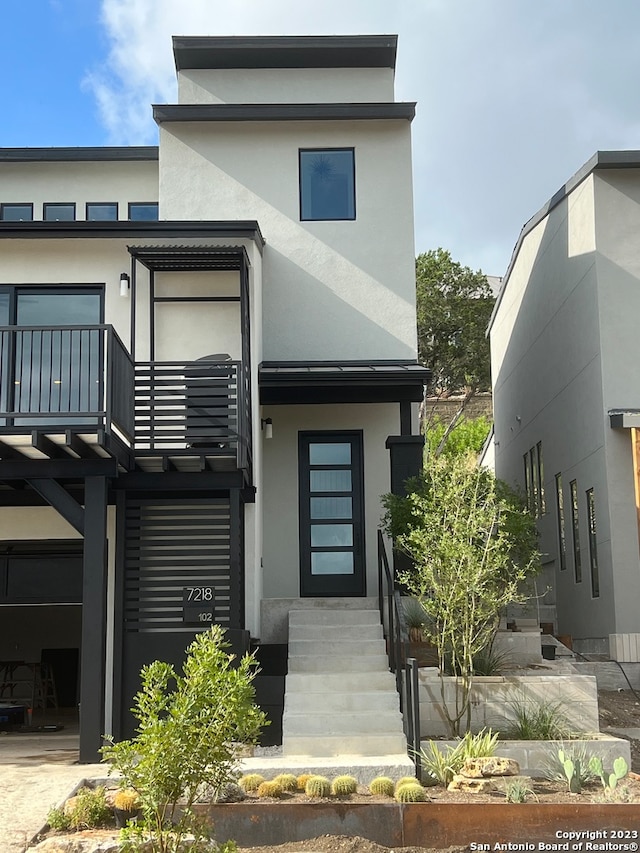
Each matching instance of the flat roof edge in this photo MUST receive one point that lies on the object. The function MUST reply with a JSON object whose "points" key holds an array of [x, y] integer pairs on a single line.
{"points": [[601, 160], [284, 112], [79, 154], [328, 51]]}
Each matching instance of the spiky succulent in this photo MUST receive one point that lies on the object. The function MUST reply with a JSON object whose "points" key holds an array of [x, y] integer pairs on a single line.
{"points": [[382, 785], [318, 786], [405, 780], [287, 781], [250, 782], [302, 780], [342, 786], [269, 789], [411, 792]]}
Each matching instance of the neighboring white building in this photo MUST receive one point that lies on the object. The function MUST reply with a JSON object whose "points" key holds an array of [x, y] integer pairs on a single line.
{"points": [[207, 351], [566, 395]]}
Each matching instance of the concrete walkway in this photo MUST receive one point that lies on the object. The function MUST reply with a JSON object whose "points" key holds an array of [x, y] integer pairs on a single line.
{"points": [[37, 772]]}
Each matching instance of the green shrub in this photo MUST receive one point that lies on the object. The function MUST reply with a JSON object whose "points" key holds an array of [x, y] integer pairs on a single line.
{"points": [[411, 792], [188, 729], [517, 791], [537, 720], [57, 819], [88, 809], [318, 786], [442, 765], [342, 786], [382, 785], [287, 781], [250, 782]]}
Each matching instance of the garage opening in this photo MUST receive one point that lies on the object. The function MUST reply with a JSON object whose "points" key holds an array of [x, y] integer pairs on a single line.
{"points": [[40, 632]]}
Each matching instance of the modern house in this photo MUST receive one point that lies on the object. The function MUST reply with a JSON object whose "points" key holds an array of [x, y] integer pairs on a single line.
{"points": [[208, 367], [566, 395]]}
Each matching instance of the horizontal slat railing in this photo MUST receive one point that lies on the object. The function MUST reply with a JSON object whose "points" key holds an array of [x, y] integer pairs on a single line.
{"points": [[65, 376], [198, 406]]}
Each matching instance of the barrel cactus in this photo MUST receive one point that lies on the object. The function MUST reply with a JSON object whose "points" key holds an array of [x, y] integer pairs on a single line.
{"points": [[287, 781], [405, 780], [269, 789], [411, 792], [383, 786], [318, 786], [251, 782], [342, 786]]}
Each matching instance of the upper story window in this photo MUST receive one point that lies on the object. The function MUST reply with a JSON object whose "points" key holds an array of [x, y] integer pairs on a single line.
{"points": [[102, 211], [16, 212], [143, 211], [59, 212], [327, 183]]}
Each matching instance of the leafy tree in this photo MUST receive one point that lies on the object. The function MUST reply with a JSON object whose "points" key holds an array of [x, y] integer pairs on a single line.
{"points": [[469, 436], [472, 546], [454, 305], [188, 730]]}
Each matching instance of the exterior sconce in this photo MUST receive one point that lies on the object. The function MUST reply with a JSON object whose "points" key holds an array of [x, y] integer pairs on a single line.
{"points": [[125, 284], [266, 424]]}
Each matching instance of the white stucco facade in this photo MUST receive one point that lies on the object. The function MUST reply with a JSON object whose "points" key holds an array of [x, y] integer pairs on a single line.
{"points": [[562, 339]]}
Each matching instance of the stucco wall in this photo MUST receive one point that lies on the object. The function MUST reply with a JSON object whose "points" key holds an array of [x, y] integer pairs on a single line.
{"points": [[341, 290], [284, 85], [546, 363], [280, 494], [617, 194], [79, 182]]}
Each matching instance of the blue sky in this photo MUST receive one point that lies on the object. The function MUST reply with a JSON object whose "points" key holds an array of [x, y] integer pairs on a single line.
{"points": [[513, 95]]}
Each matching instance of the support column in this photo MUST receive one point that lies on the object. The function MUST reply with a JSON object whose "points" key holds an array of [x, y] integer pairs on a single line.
{"points": [[94, 606], [406, 461]]}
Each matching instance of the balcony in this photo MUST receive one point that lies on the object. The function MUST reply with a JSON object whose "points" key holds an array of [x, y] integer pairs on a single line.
{"points": [[74, 392]]}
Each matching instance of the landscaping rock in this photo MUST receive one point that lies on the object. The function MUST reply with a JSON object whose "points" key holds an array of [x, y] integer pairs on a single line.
{"points": [[471, 786], [477, 768], [80, 842]]}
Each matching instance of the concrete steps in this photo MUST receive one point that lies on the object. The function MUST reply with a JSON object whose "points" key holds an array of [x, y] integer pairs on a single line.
{"points": [[340, 698]]}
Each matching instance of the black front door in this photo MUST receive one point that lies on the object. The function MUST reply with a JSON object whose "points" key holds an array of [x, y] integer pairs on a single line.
{"points": [[331, 514]]}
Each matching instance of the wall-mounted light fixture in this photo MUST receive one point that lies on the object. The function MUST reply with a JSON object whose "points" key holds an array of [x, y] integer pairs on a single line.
{"points": [[266, 424], [125, 284]]}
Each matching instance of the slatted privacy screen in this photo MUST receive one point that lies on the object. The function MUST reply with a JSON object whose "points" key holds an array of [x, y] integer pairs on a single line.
{"points": [[172, 545]]}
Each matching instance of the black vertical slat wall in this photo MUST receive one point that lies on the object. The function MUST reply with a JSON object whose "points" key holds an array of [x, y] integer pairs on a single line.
{"points": [[172, 544]]}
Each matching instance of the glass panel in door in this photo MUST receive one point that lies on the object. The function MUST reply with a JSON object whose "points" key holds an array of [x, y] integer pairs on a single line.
{"points": [[58, 370], [331, 515]]}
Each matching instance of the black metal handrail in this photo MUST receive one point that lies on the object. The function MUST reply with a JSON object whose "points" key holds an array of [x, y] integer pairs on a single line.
{"points": [[404, 667], [65, 375]]}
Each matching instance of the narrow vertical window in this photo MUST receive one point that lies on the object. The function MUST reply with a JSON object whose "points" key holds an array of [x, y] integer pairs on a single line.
{"points": [[562, 540], [541, 502], [535, 486], [577, 561], [593, 547], [527, 482]]}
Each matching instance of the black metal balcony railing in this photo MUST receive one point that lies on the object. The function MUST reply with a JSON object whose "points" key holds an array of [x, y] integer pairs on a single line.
{"points": [[203, 405], [76, 376], [65, 376]]}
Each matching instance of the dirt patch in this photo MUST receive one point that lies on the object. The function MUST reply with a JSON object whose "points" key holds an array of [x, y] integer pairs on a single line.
{"points": [[620, 709]]}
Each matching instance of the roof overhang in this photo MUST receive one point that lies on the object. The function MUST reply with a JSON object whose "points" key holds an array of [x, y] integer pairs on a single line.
{"points": [[164, 229], [403, 110], [356, 51], [624, 418], [341, 382], [190, 258]]}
